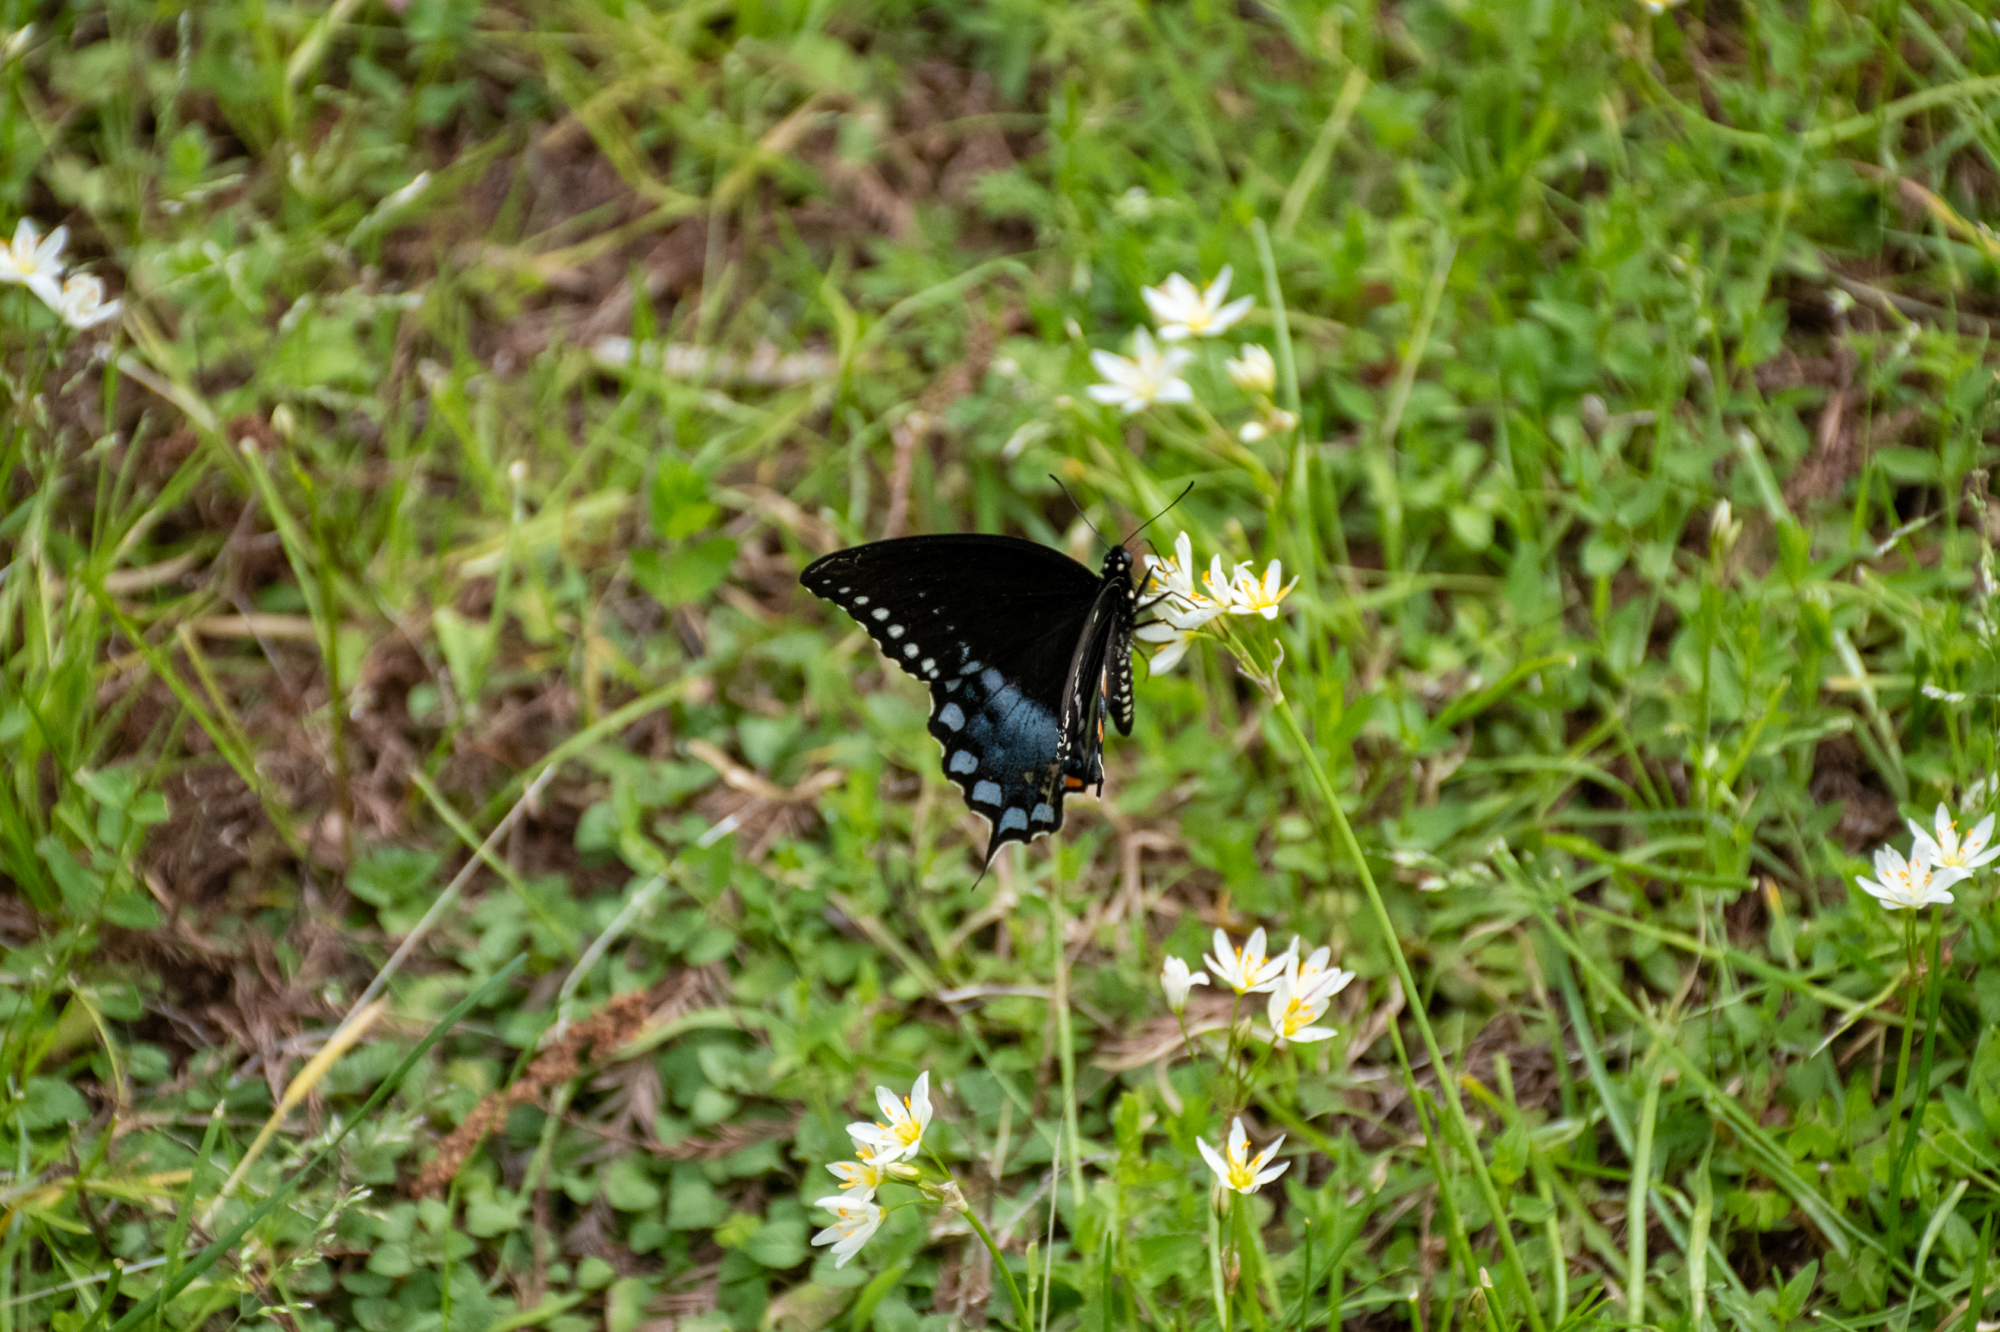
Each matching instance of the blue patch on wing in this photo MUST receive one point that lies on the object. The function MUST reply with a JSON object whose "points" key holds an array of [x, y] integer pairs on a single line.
{"points": [[1000, 749]]}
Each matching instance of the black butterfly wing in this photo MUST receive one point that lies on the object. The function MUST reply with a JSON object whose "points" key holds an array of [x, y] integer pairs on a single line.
{"points": [[1092, 684], [996, 627]]}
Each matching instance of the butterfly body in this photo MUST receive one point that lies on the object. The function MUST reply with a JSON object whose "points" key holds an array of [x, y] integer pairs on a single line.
{"points": [[1024, 651]]}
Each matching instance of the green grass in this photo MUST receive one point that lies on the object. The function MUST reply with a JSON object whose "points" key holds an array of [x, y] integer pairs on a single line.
{"points": [[353, 562]]}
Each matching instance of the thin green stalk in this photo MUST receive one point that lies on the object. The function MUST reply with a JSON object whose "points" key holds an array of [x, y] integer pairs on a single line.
{"points": [[1455, 1108], [1488, 1297], [1021, 1316], [1895, 1245], [1933, 996], [1194, 1053], [1229, 1052], [1216, 1285], [1305, 1278], [1456, 1239], [1697, 1252], [1975, 1299], [1247, 1254], [1065, 1038], [1635, 1196]]}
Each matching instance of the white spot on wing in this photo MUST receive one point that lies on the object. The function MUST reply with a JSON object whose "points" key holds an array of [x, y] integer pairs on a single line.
{"points": [[1013, 818], [986, 793], [1044, 813], [895, 631], [880, 612], [951, 716], [965, 761], [910, 649]]}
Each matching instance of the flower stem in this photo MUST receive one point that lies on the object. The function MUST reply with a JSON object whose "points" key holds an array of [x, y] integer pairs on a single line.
{"points": [[1194, 1054], [1221, 1291], [1022, 1319], [1933, 984], [1065, 1038], [1910, 1008], [1250, 1079], [1229, 1052], [1454, 1107]]}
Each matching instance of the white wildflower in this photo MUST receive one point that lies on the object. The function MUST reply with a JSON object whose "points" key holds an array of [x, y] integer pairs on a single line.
{"points": [[1249, 595], [1150, 375], [35, 262], [1314, 976], [856, 1220], [1254, 371], [1909, 885], [1183, 310], [1175, 576], [1177, 980], [1176, 630], [1245, 970], [868, 1171], [901, 1135], [82, 304], [1293, 1010], [1239, 1170], [1946, 851]]}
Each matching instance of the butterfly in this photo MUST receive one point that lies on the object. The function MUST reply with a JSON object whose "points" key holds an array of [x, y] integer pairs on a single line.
{"points": [[1024, 650]]}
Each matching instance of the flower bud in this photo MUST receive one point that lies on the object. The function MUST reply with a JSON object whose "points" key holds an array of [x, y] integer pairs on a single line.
{"points": [[946, 1194], [1254, 372]]}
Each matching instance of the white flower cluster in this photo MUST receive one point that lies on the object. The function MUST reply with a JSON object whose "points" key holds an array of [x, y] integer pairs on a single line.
{"points": [[34, 261], [881, 1150], [1299, 989], [1152, 374], [1938, 859], [1181, 609]]}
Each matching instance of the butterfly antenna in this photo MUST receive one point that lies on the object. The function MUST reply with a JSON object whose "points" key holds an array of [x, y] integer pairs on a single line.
{"points": [[1078, 507], [1161, 514]]}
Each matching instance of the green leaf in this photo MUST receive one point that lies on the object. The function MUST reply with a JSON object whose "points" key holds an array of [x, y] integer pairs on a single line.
{"points": [[628, 1187], [496, 1214], [625, 1304], [394, 876], [738, 1229], [131, 909], [47, 1102], [679, 498], [1510, 1154], [463, 644], [686, 574], [1907, 464], [113, 787], [693, 1204], [873, 1294], [805, 1308], [779, 1245], [81, 888]]}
